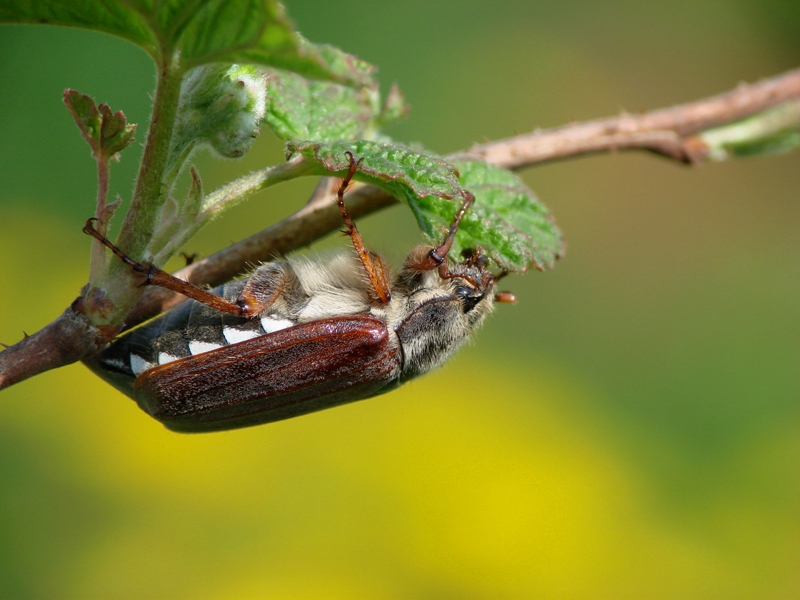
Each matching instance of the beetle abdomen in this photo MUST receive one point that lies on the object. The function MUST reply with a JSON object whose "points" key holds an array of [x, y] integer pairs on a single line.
{"points": [[189, 329]]}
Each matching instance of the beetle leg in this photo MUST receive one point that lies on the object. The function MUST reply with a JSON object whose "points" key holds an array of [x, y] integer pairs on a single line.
{"points": [[373, 265], [436, 258], [263, 287], [155, 276], [424, 259]]}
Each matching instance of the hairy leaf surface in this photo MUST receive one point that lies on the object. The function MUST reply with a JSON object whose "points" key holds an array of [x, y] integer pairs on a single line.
{"points": [[323, 111], [506, 220], [302, 109], [393, 167]]}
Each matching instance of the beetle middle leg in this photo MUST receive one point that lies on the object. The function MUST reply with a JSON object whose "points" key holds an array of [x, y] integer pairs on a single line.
{"points": [[155, 276], [373, 264]]}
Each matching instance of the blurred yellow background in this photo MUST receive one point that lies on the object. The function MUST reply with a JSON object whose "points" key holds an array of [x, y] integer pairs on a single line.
{"points": [[629, 429]]}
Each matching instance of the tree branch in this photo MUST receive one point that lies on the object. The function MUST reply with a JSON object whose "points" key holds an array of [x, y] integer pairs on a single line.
{"points": [[689, 133], [66, 340], [670, 132]]}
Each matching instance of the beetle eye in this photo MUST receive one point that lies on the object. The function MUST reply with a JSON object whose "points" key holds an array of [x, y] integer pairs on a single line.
{"points": [[469, 297]]}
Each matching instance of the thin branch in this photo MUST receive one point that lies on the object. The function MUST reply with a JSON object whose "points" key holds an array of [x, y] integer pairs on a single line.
{"points": [[66, 340], [669, 132], [676, 133], [236, 191]]}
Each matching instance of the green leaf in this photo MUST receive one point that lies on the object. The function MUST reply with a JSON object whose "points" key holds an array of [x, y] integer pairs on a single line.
{"points": [[777, 143], [220, 105], [197, 32], [506, 219], [316, 61], [395, 168], [107, 133], [300, 109], [116, 18]]}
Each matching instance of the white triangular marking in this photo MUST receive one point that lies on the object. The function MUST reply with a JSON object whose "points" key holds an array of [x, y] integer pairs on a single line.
{"points": [[138, 364], [234, 336], [165, 358], [271, 324], [198, 347]]}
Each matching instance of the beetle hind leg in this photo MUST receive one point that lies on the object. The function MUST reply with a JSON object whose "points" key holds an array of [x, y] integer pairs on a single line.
{"points": [[155, 276]]}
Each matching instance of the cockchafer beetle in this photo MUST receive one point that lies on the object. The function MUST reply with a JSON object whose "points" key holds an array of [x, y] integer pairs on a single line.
{"points": [[298, 335]]}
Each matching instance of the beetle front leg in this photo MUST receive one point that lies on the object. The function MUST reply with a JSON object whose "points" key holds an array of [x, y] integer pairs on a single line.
{"points": [[436, 258], [155, 276]]}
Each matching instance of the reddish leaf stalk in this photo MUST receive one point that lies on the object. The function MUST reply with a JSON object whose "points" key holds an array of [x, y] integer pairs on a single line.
{"points": [[97, 263]]}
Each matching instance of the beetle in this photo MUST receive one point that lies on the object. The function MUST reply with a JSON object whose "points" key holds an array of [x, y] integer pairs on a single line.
{"points": [[298, 335]]}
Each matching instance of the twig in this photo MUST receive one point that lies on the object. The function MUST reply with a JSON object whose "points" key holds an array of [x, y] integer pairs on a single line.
{"points": [[66, 340], [676, 133], [669, 132]]}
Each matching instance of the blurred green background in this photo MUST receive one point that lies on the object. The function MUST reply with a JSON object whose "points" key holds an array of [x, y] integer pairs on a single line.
{"points": [[629, 429]]}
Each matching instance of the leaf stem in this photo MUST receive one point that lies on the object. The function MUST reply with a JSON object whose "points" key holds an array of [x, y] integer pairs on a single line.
{"points": [[235, 192]]}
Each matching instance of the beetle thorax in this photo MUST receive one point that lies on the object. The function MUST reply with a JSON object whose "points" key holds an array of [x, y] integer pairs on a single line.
{"points": [[429, 317], [433, 317]]}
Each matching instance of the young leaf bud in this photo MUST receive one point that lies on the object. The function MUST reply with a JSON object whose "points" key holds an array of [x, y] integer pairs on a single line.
{"points": [[222, 106]]}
